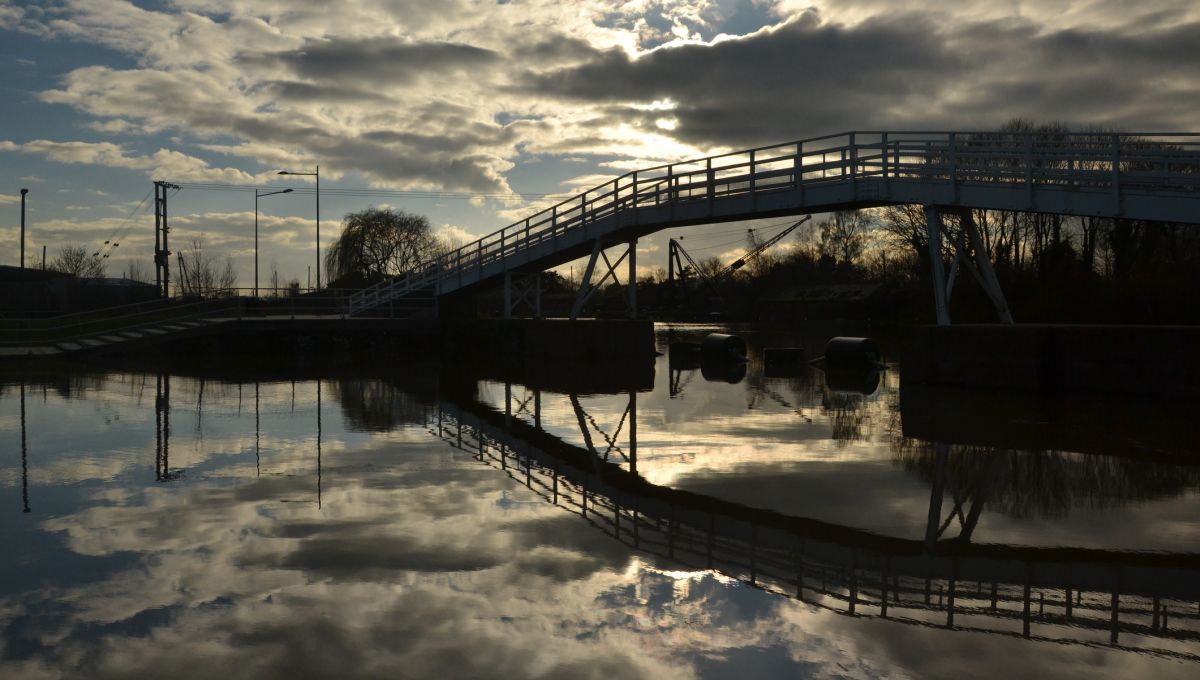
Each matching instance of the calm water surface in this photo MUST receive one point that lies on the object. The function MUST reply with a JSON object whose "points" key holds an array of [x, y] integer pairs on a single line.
{"points": [[665, 521]]}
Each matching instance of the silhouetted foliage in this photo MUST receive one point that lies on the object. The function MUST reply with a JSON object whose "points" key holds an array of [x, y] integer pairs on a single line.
{"points": [[77, 261], [201, 274], [377, 243]]}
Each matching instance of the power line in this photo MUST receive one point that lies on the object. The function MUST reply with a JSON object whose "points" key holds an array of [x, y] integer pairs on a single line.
{"points": [[691, 238], [398, 193], [119, 233], [740, 240]]}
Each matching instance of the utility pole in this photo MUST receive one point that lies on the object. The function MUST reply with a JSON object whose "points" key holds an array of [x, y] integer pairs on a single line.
{"points": [[162, 252], [23, 192], [316, 175]]}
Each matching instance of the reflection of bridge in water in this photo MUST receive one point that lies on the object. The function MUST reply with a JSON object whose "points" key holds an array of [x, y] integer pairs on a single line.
{"points": [[1143, 602], [1148, 603]]}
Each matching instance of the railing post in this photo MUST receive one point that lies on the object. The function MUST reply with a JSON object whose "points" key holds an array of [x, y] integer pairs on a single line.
{"points": [[616, 203], [527, 243], [853, 157], [883, 158], [1116, 173], [671, 190], [711, 185], [883, 155], [635, 196], [1029, 169], [753, 184], [798, 170], [953, 168]]}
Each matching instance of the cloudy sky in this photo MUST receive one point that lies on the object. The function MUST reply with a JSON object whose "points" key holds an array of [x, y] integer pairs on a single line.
{"points": [[507, 102]]}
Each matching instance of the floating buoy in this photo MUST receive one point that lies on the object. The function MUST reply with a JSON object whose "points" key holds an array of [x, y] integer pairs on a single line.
{"points": [[731, 372], [852, 380], [723, 347], [843, 351]]}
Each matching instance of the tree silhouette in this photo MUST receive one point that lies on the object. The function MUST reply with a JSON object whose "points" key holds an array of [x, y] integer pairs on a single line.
{"points": [[377, 243], [76, 260]]}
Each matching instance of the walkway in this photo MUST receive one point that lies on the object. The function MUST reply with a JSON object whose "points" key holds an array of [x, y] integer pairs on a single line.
{"points": [[1132, 176]]}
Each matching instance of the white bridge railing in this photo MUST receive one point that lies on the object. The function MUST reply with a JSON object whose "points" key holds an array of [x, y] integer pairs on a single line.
{"points": [[1111, 165]]}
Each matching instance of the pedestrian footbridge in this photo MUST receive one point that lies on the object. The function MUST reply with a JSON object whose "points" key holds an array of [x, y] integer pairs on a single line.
{"points": [[1152, 176]]}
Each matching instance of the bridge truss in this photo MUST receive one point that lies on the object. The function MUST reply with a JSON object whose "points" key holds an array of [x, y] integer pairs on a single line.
{"points": [[1152, 176]]}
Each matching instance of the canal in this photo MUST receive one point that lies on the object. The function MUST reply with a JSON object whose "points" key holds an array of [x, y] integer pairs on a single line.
{"points": [[673, 519]]}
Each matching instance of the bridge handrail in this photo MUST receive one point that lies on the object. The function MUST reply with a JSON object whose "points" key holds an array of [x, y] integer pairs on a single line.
{"points": [[1119, 160]]}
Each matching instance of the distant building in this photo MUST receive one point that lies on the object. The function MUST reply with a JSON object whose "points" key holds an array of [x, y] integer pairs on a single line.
{"points": [[37, 293]]}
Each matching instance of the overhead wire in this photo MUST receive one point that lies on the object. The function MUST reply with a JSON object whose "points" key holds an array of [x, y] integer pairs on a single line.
{"points": [[399, 193], [691, 238], [121, 231], [740, 240]]}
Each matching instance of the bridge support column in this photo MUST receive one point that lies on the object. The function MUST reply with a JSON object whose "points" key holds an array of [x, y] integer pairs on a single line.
{"points": [[974, 259], [985, 275], [933, 222], [525, 289], [587, 289]]}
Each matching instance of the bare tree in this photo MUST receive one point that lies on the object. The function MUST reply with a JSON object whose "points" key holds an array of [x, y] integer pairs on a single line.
{"points": [[274, 280], [710, 268], [379, 242], [137, 271], [844, 238], [76, 260], [201, 274]]}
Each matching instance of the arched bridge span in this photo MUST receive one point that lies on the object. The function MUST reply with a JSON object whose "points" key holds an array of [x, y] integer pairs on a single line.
{"points": [[1153, 176]]}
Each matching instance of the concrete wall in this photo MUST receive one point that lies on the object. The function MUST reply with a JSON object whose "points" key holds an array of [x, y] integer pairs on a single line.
{"points": [[545, 339], [1145, 360]]}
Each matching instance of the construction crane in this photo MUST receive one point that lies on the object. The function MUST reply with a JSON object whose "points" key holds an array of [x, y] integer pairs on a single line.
{"points": [[681, 264], [758, 250]]}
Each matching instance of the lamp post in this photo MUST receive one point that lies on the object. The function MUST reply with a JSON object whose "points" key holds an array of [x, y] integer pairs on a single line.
{"points": [[258, 195], [316, 174], [23, 192]]}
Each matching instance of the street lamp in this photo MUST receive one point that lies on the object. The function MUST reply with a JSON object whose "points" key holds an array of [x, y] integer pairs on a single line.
{"points": [[23, 192], [317, 175], [258, 195]]}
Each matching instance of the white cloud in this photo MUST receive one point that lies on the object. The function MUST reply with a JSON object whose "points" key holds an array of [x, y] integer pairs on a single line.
{"points": [[162, 164]]}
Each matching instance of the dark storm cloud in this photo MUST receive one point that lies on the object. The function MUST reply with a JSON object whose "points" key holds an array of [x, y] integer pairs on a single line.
{"points": [[810, 77], [759, 86], [554, 49], [382, 60], [302, 92]]}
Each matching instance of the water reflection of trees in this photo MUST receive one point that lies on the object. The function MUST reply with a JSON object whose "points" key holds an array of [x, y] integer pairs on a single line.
{"points": [[65, 386], [847, 413], [1047, 484], [376, 405]]}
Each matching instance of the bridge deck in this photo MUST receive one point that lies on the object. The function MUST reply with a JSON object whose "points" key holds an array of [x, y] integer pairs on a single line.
{"points": [[1144, 177]]}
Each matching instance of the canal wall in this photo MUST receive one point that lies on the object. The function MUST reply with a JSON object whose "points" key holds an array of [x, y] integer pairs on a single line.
{"points": [[520, 342], [1155, 361]]}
